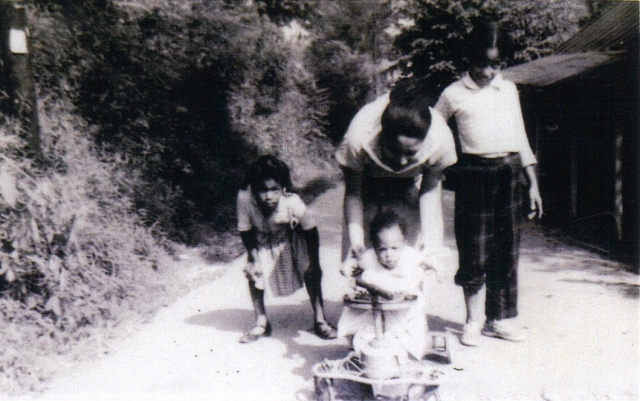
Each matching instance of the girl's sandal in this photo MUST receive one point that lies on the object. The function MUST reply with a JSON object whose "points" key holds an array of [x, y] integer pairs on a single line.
{"points": [[324, 330], [255, 333]]}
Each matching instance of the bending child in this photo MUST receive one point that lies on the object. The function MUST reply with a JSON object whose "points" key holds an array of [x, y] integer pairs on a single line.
{"points": [[282, 244], [393, 267]]}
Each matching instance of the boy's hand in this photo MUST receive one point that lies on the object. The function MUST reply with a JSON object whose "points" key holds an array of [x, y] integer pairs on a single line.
{"points": [[535, 203]]}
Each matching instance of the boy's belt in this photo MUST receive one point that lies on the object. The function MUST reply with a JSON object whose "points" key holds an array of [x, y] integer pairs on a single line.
{"points": [[476, 160]]}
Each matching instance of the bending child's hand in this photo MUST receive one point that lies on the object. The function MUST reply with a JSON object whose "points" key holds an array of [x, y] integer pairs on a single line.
{"points": [[350, 268]]}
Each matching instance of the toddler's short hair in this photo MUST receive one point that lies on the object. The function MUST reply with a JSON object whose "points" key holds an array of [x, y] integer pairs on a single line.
{"points": [[268, 167], [382, 221]]}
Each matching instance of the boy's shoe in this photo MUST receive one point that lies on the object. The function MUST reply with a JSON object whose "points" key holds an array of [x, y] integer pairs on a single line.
{"points": [[470, 335], [504, 330]]}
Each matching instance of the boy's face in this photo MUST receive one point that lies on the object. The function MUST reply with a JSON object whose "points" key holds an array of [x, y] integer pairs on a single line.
{"points": [[269, 193], [389, 247], [482, 72]]}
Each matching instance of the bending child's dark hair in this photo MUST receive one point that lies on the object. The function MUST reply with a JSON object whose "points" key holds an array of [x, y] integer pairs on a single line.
{"points": [[268, 167], [407, 113], [382, 221], [485, 36]]}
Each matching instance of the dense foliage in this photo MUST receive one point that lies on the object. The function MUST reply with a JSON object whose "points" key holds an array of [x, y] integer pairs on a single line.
{"points": [[431, 45]]}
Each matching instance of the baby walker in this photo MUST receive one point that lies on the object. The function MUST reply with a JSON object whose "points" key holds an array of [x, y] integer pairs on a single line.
{"points": [[377, 374]]}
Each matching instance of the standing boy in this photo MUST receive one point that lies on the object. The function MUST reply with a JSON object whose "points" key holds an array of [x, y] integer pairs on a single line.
{"points": [[495, 152]]}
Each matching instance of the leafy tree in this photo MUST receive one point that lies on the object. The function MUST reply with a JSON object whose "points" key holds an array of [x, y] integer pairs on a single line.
{"points": [[430, 46]]}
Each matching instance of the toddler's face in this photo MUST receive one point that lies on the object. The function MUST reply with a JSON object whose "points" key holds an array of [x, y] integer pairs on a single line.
{"points": [[389, 248], [269, 194]]}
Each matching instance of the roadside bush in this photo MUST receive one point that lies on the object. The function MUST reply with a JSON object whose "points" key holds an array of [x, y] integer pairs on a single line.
{"points": [[342, 74], [75, 256]]}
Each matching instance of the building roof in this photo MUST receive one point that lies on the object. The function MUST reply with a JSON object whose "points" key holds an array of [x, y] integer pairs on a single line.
{"points": [[616, 29], [607, 39], [557, 67]]}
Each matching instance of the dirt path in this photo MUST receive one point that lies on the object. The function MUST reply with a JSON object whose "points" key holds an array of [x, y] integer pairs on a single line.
{"points": [[581, 314]]}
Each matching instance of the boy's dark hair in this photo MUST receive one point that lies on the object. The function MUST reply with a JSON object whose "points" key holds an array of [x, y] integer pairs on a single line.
{"points": [[407, 113], [264, 168], [485, 36], [382, 221]]}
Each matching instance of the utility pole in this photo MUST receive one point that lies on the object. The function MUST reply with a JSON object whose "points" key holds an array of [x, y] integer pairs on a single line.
{"points": [[18, 74]]}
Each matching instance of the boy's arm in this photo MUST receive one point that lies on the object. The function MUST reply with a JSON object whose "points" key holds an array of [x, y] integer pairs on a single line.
{"points": [[535, 201]]}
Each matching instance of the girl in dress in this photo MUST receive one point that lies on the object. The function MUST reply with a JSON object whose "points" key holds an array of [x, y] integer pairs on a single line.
{"points": [[282, 244]]}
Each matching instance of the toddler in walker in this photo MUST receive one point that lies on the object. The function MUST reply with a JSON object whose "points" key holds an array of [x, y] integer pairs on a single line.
{"points": [[393, 267]]}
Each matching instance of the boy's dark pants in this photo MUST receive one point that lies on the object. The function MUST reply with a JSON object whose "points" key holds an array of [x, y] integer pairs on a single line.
{"points": [[487, 227]]}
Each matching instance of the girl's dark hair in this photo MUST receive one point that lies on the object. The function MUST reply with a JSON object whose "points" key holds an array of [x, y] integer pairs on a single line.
{"points": [[264, 168], [407, 113], [382, 221], [485, 36]]}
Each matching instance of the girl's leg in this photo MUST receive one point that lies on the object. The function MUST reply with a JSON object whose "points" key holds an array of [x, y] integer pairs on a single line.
{"points": [[257, 298], [313, 283], [262, 328]]}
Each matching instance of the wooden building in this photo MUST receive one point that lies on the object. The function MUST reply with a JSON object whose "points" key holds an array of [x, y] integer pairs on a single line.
{"points": [[582, 112]]}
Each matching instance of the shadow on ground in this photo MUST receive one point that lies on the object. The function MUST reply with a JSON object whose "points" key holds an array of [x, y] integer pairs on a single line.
{"points": [[287, 322], [295, 332]]}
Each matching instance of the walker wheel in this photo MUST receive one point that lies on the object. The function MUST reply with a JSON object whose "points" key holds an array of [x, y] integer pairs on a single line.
{"points": [[419, 392], [324, 389]]}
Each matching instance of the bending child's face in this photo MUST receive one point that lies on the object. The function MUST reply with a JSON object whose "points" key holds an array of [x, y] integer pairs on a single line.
{"points": [[483, 72], [401, 152], [389, 247], [269, 193]]}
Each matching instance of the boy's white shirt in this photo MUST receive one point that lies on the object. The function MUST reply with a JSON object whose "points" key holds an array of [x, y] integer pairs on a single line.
{"points": [[489, 119]]}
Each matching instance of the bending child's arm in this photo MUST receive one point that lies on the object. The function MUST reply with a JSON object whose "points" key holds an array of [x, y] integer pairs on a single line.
{"points": [[353, 210]]}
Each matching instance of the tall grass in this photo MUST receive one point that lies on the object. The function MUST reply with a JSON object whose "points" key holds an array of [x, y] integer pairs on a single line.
{"points": [[76, 257]]}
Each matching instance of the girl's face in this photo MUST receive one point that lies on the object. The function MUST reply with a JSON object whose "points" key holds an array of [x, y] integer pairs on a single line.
{"points": [[401, 152], [269, 194], [483, 72], [389, 247]]}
